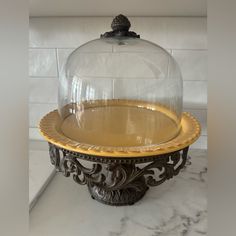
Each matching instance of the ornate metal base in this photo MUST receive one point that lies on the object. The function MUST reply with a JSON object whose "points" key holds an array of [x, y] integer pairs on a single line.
{"points": [[118, 197], [118, 181]]}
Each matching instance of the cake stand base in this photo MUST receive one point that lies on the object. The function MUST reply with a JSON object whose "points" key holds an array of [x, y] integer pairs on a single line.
{"points": [[118, 181], [119, 197]]}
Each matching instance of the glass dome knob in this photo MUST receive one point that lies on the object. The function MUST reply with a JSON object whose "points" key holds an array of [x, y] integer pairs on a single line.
{"points": [[120, 23], [120, 28]]}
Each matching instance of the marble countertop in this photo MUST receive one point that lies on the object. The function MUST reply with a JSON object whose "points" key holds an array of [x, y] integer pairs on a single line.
{"points": [[178, 207], [40, 170]]}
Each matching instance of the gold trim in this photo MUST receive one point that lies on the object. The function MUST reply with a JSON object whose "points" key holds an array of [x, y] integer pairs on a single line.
{"points": [[190, 131]]}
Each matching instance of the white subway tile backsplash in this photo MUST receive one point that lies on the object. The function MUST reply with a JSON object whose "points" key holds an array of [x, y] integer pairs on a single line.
{"points": [[201, 116], [186, 32], [172, 32], [42, 63], [38, 145], [151, 28], [195, 94], [193, 63], [34, 134], [37, 111], [43, 90], [201, 143], [66, 32], [62, 55], [71, 32]]}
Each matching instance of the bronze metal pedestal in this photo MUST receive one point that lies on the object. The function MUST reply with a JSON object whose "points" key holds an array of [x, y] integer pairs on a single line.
{"points": [[118, 181]]}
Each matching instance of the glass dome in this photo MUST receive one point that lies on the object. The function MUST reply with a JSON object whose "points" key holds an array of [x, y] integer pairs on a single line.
{"points": [[120, 91]]}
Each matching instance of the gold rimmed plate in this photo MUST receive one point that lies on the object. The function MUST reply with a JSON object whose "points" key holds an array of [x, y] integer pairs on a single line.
{"points": [[51, 127]]}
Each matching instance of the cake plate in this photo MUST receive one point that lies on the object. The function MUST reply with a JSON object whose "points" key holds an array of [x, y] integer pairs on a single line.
{"points": [[118, 175]]}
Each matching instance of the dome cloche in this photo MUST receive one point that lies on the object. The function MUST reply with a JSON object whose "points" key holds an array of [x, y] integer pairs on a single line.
{"points": [[120, 91]]}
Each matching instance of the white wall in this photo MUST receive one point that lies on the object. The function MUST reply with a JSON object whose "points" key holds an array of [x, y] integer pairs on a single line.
{"points": [[53, 38]]}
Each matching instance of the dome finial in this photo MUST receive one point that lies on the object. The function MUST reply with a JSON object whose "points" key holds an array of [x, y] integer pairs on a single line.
{"points": [[120, 28], [120, 23]]}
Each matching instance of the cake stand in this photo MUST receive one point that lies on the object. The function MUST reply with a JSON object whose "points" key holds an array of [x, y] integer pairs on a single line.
{"points": [[118, 175]]}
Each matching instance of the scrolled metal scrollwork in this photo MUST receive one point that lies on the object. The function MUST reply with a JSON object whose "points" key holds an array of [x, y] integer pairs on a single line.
{"points": [[116, 183], [82, 175], [54, 153], [68, 164], [167, 168], [124, 176]]}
